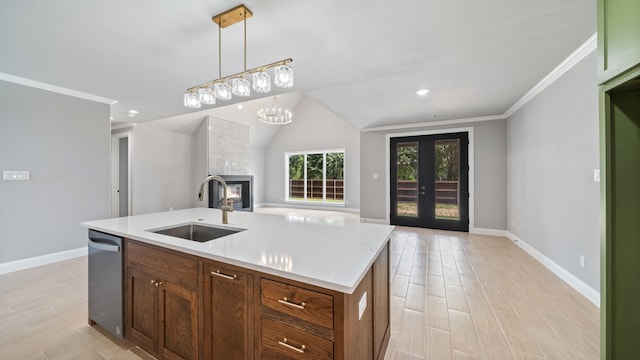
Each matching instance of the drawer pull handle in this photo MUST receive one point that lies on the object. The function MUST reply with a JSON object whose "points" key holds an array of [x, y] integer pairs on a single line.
{"points": [[287, 302], [284, 343], [225, 276]]}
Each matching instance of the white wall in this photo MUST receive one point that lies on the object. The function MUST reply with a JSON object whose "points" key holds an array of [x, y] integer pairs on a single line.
{"points": [[490, 172], [257, 158], [65, 143], [162, 170], [313, 128], [552, 150]]}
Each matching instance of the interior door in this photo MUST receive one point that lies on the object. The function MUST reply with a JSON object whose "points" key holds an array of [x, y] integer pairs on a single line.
{"points": [[430, 181]]}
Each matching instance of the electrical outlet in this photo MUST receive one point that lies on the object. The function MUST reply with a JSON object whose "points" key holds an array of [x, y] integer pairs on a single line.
{"points": [[513, 222], [16, 175], [583, 261], [362, 305]]}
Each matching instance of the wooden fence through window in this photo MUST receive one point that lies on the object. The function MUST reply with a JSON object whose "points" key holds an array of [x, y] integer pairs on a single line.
{"points": [[446, 191], [335, 189]]}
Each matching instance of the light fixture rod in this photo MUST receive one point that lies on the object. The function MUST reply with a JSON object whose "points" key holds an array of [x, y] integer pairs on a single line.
{"points": [[245, 41], [240, 74], [219, 51]]}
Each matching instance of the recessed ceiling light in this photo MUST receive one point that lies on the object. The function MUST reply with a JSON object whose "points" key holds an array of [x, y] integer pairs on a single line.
{"points": [[111, 118], [239, 106], [440, 115], [422, 92], [132, 113]]}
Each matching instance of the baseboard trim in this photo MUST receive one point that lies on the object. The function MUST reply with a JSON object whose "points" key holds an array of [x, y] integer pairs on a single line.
{"points": [[41, 260], [309, 207], [374, 221], [580, 286], [490, 232]]}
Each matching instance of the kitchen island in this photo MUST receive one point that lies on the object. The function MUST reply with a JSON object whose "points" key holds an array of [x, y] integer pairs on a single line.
{"points": [[281, 287]]}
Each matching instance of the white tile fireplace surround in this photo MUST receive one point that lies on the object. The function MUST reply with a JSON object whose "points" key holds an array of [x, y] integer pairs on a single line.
{"points": [[228, 145]]}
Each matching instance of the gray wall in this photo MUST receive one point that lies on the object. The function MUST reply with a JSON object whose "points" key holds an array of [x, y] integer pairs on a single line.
{"points": [[489, 181], [65, 143], [553, 202], [162, 170], [313, 128]]}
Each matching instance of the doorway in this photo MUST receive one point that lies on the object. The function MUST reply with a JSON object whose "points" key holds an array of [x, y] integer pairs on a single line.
{"points": [[430, 181], [120, 174]]}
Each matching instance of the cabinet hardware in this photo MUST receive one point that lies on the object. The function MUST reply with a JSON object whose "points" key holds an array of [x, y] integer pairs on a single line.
{"points": [[284, 343], [229, 277], [153, 282], [287, 302]]}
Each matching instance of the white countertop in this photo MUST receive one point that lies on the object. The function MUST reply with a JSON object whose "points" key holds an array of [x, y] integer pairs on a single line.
{"points": [[334, 254]]}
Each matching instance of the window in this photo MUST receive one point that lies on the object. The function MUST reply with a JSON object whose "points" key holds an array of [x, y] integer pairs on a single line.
{"points": [[315, 176]]}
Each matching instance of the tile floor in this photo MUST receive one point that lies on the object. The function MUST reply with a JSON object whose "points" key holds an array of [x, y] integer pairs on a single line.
{"points": [[454, 296]]}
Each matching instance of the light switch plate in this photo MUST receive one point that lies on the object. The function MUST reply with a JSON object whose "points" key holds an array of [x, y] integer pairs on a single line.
{"points": [[596, 175], [16, 175], [362, 305]]}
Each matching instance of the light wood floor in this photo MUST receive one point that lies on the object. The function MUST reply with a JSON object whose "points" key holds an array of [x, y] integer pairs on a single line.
{"points": [[454, 296]]}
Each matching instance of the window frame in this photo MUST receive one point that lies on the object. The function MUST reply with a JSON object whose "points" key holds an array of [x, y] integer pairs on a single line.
{"points": [[323, 202]]}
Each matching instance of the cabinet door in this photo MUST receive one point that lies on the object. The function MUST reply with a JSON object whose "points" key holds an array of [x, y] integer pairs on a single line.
{"points": [[142, 300], [618, 37], [178, 321], [228, 313]]}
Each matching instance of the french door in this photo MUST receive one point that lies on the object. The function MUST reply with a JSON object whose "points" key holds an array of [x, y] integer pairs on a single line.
{"points": [[430, 181]]}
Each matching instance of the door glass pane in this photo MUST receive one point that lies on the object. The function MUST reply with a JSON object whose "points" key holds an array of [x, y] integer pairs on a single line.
{"points": [[407, 181], [314, 177], [447, 190], [335, 177], [296, 177]]}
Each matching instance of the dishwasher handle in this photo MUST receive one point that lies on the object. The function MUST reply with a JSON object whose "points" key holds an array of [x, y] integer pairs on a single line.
{"points": [[104, 246]]}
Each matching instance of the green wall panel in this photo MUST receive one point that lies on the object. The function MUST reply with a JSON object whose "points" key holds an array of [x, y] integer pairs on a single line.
{"points": [[623, 243], [618, 37]]}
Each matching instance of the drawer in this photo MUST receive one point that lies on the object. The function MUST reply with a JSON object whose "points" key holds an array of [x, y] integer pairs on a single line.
{"points": [[303, 304], [161, 262], [280, 341]]}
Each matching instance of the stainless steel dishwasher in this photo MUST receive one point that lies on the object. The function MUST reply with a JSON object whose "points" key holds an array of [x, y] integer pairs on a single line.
{"points": [[106, 303]]}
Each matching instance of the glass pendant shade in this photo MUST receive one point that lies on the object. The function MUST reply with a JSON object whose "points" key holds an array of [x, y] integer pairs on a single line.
{"points": [[222, 91], [205, 96], [283, 76], [261, 82], [241, 87], [191, 100]]}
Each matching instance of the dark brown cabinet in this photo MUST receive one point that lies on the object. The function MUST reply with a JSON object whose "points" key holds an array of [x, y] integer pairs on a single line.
{"points": [[228, 313], [162, 305], [181, 306]]}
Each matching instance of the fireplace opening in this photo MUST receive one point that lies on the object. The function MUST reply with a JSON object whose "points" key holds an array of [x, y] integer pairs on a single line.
{"points": [[239, 191]]}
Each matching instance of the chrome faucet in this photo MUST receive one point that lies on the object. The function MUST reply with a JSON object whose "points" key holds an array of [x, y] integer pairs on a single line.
{"points": [[224, 206]]}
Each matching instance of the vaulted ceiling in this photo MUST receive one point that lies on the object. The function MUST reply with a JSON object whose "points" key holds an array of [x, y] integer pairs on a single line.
{"points": [[363, 60]]}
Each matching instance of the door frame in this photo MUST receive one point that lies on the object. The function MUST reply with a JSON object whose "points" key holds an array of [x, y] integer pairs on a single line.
{"points": [[115, 171], [469, 131]]}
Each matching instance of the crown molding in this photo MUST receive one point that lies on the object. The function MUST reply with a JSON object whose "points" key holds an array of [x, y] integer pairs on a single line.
{"points": [[578, 55], [585, 49], [56, 89], [434, 123]]}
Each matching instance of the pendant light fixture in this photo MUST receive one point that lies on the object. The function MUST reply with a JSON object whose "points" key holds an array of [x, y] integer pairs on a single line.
{"points": [[238, 84], [274, 115]]}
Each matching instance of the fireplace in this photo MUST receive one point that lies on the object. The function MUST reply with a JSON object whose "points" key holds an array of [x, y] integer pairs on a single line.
{"points": [[239, 189]]}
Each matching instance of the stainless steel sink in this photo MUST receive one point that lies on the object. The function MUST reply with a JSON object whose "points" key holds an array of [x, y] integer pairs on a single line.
{"points": [[195, 232]]}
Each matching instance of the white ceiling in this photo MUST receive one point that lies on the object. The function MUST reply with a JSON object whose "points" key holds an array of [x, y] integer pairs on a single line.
{"points": [[361, 59]]}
